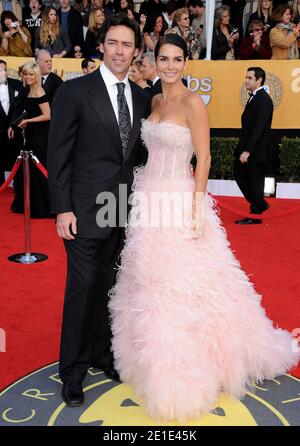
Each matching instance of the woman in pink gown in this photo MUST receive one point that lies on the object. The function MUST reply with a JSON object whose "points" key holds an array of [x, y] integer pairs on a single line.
{"points": [[187, 323]]}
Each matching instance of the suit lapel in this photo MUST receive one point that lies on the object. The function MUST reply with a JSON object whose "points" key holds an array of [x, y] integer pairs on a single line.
{"points": [[135, 129], [101, 103]]}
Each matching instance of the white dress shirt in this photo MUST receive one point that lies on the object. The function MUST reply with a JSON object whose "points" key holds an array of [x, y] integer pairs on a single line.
{"points": [[155, 80], [111, 81], [255, 91], [4, 97], [45, 77]]}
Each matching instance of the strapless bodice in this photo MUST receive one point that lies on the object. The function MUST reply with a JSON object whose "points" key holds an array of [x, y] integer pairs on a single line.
{"points": [[170, 149]]}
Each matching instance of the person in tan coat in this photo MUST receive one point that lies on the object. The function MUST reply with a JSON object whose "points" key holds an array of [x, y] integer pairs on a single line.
{"points": [[283, 38]]}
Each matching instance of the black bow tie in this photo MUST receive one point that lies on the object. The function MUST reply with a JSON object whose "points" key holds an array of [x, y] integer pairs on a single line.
{"points": [[251, 95], [3, 82]]}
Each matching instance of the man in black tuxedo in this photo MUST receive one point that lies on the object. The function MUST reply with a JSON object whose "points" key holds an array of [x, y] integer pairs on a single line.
{"points": [[9, 91], [94, 145], [254, 149], [50, 81], [150, 75]]}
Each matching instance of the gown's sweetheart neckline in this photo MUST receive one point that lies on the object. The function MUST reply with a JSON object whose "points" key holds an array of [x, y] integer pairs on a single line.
{"points": [[166, 122]]}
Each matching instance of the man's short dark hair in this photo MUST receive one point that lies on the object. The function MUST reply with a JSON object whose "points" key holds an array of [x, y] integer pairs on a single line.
{"points": [[195, 3], [259, 73], [117, 20], [172, 6], [85, 62], [3, 62]]}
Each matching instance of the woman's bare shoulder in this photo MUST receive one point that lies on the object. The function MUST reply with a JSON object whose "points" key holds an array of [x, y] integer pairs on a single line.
{"points": [[156, 100]]}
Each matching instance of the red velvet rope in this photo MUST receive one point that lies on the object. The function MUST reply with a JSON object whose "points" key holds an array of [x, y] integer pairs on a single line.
{"points": [[12, 174], [40, 166], [247, 215]]}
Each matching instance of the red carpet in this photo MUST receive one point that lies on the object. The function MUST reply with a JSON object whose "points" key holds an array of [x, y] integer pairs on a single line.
{"points": [[31, 296]]}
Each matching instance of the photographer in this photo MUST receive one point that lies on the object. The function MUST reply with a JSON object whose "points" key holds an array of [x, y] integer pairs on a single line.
{"points": [[256, 45], [15, 41]]}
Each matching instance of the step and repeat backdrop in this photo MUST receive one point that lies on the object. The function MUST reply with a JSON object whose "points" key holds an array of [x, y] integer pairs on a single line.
{"points": [[221, 86]]}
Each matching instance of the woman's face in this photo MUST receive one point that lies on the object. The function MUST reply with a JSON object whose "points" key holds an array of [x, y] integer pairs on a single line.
{"points": [[158, 25], [99, 17], [52, 16], [77, 52], [124, 4], [170, 63], [29, 77], [286, 17], [135, 74], [225, 19], [257, 31], [184, 21], [8, 22], [266, 4]]}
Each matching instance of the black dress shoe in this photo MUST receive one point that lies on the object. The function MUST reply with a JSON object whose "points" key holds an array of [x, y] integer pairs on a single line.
{"points": [[249, 221], [256, 211], [109, 371], [72, 394]]}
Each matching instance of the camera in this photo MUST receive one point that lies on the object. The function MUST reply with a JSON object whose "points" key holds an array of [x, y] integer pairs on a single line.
{"points": [[234, 31], [14, 24]]}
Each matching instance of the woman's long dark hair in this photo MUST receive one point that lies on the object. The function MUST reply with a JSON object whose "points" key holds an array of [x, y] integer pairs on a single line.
{"points": [[171, 39]]}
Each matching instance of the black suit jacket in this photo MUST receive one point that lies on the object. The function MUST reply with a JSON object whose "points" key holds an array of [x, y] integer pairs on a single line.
{"points": [[75, 25], [155, 89], [14, 86], [51, 85], [256, 128], [85, 151]]}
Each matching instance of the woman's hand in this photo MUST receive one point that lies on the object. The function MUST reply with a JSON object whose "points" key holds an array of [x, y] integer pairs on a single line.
{"points": [[198, 221], [23, 123], [143, 19], [7, 35]]}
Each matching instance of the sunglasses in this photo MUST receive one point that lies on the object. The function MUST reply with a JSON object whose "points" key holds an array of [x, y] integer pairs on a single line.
{"points": [[258, 29]]}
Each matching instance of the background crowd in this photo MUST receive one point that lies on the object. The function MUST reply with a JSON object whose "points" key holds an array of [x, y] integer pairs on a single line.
{"points": [[262, 29], [46, 29]]}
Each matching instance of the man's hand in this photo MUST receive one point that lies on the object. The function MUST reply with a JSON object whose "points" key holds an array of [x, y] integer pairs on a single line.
{"points": [[244, 157], [10, 133], [63, 223]]}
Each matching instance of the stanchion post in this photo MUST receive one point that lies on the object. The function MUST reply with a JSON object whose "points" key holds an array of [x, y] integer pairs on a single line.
{"points": [[27, 257]]}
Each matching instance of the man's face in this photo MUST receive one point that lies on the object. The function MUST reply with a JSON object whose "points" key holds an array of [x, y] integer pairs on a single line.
{"points": [[97, 3], [45, 63], [199, 11], [3, 72], [148, 70], [251, 82], [119, 50], [34, 6], [64, 3], [91, 67]]}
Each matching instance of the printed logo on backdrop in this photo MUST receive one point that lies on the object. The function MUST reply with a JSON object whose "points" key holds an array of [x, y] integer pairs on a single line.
{"points": [[273, 87], [36, 401], [203, 86]]}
